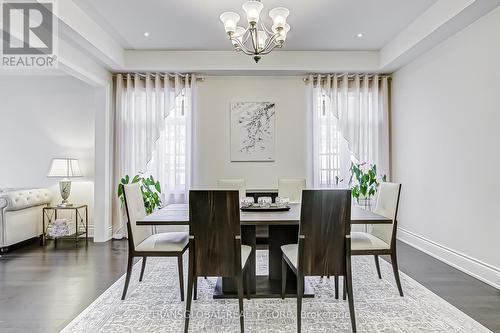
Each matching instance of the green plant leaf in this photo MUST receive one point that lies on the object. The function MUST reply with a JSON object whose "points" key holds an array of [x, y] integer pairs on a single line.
{"points": [[150, 190]]}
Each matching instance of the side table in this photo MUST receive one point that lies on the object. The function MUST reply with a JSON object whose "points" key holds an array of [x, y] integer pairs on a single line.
{"points": [[81, 219]]}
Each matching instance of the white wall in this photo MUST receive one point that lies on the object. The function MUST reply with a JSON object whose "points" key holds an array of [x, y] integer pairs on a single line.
{"points": [[212, 128], [42, 117], [445, 149]]}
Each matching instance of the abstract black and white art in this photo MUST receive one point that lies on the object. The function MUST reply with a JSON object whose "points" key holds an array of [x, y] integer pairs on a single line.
{"points": [[253, 131]]}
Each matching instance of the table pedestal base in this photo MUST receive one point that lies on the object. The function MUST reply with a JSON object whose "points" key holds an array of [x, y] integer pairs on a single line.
{"points": [[265, 288]]}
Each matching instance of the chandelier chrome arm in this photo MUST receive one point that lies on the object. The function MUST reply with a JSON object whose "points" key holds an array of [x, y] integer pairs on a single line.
{"points": [[241, 47], [263, 26], [252, 33], [269, 42]]}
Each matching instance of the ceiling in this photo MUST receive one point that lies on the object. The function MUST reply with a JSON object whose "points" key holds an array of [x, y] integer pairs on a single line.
{"points": [[194, 24]]}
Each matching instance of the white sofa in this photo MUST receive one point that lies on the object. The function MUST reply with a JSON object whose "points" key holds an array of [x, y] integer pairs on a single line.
{"points": [[21, 214]]}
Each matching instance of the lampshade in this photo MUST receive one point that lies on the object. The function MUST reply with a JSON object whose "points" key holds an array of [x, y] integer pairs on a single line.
{"points": [[65, 167], [239, 33], [253, 9], [283, 33], [230, 20], [279, 15]]}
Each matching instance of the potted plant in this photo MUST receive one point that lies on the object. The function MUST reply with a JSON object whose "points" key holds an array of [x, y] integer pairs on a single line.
{"points": [[364, 183], [150, 188]]}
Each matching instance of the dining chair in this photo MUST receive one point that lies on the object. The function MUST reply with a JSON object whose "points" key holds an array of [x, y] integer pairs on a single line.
{"points": [[233, 184], [324, 244], [381, 239], [215, 247], [142, 242], [291, 188]]}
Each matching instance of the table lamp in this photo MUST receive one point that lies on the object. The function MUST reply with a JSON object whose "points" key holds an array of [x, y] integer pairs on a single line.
{"points": [[65, 168]]}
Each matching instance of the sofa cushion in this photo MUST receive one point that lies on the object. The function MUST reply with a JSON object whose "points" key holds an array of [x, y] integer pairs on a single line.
{"points": [[21, 199]]}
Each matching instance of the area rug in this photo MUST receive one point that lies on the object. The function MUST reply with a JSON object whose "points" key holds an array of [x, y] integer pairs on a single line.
{"points": [[154, 305]]}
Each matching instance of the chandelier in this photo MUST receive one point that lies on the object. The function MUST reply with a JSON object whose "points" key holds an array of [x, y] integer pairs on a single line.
{"points": [[256, 40]]}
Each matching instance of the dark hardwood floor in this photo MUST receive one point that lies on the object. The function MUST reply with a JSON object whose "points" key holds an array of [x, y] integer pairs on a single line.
{"points": [[43, 289], [477, 299]]}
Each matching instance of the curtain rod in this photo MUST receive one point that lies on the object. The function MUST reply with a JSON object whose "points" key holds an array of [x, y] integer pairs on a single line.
{"points": [[143, 75], [349, 76]]}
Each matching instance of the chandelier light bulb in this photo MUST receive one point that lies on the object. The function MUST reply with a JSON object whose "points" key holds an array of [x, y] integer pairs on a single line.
{"points": [[230, 20], [253, 9], [279, 16]]}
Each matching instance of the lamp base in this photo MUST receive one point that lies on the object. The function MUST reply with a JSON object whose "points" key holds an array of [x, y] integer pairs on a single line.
{"points": [[65, 188]]}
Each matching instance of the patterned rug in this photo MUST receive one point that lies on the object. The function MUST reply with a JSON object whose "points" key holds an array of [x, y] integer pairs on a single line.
{"points": [[154, 306]]}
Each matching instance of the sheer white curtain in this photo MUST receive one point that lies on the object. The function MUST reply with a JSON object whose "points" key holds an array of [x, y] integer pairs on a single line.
{"points": [[171, 161], [153, 134], [349, 122]]}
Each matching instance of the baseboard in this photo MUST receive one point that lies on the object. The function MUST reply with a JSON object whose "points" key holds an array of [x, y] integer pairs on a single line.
{"points": [[109, 234], [91, 230], [473, 267]]}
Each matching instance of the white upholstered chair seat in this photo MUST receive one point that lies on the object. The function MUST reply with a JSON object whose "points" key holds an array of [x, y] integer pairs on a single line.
{"points": [[165, 241], [245, 253], [291, 251], [366, 241]]}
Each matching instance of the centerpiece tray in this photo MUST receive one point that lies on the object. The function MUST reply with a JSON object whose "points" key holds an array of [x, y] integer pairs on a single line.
{"points": [[272, 208]]}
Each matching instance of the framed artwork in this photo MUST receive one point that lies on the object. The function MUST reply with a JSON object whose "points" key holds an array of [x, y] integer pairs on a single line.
{"points": [[253, 129]]}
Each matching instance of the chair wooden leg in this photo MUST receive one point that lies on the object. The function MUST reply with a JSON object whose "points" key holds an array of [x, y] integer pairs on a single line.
{"points": [[127, 277], [189, 295], [336, 287], [348, 280], [142, 268], [284, 269], [247, 281], [394, 261], [195, 288], [181, 276], [300, 290], [377, 264], [239, 283], [344, 287]]}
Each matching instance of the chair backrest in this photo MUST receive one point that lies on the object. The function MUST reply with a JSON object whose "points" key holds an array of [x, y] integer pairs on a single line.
{"points": [[387, 205], [233, 184], [214, 222], [134, 205], [325, 221], [291, 188]]}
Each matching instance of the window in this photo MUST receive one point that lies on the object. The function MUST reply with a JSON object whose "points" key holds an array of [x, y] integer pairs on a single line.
{"points": [[328, 142], [175, 145], [332, 158]]}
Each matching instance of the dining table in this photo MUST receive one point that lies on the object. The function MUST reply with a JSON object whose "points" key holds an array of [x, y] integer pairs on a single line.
{"points": [[283, 229]]}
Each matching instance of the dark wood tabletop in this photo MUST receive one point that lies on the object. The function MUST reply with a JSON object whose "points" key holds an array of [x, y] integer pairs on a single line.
{"points": [[178, 214]]}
